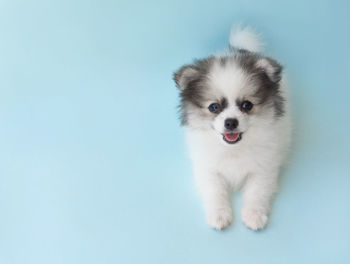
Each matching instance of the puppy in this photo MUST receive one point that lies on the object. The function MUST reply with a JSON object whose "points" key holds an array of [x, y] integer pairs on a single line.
{"points": [[235, 110]]}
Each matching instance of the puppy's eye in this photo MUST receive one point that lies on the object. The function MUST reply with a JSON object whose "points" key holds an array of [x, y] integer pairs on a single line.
{"points": [[246, 106], [214, 108]]}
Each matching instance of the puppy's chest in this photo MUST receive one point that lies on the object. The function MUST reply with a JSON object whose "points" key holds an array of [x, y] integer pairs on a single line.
{"points": [[234, 168]]}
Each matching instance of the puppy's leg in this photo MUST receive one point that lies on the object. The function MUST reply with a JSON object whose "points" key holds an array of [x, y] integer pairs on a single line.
{"points": [[258, 193], [216, 196]]}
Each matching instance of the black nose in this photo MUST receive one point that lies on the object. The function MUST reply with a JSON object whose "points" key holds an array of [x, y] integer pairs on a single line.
{"points": [[231, 123]]}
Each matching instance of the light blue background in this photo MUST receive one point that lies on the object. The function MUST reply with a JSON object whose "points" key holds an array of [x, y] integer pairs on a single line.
{"points": [[93, 162]]}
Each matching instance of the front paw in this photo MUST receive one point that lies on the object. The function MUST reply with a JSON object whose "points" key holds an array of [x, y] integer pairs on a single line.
{"points": [[254, 219], [220, 218]]}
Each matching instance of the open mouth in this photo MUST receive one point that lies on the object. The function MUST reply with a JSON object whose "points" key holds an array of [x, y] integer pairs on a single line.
{"points": [[232, 138]]}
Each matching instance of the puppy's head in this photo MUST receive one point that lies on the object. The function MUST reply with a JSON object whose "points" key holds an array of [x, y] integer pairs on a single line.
{"points": [[231, 95]]}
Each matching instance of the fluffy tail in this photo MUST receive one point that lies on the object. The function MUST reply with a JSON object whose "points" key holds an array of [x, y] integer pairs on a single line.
{"points": [[245, 38]]}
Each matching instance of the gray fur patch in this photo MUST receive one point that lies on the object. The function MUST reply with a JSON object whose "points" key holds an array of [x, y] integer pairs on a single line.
{"points": [[191, 80], [267, 76]]}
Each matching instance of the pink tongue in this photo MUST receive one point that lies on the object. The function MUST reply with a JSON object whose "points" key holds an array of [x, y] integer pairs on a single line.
{"points": [[232, 137]]}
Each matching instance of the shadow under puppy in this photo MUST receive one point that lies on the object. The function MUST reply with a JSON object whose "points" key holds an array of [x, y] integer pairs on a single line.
{"points": [[235, 110]]}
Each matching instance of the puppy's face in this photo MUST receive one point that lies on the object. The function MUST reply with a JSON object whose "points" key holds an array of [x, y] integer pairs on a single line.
{"points": [[230, 95]]}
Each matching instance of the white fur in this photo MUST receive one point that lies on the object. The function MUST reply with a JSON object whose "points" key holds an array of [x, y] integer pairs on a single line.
{"points": [[252, 164], [230, 81], [246, 38]]}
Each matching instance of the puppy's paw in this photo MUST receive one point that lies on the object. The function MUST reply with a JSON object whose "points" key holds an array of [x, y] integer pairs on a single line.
{"points": [[254, 219], [220, 218]]}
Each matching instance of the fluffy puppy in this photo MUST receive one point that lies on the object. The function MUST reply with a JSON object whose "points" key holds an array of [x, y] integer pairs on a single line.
{"points": [[235, 109]]}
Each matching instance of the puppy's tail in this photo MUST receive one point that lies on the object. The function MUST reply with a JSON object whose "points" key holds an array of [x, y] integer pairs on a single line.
{"points": [[246, 39]]}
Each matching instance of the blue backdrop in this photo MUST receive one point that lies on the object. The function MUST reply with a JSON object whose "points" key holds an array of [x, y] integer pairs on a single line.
{"points": [[93, 165]]}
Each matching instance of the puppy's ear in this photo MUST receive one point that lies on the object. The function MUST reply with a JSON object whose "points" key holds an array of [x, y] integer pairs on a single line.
{"points": [[271, 67], [185, 76]]}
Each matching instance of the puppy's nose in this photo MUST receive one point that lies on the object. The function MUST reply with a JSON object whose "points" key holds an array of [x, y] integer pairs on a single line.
{"points": [[231, 123]]}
